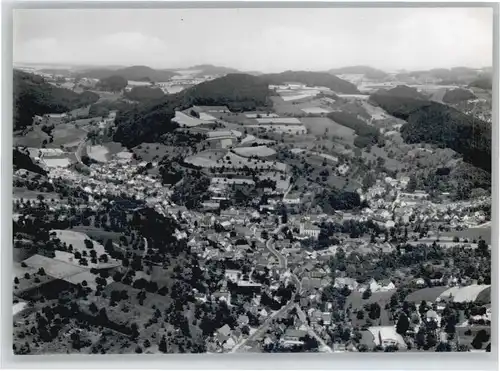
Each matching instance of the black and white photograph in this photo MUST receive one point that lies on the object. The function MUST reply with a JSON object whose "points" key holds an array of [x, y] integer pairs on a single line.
{"points": [[251, 180]]}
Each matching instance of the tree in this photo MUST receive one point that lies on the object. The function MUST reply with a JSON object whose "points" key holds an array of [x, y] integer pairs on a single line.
{"points": [[422, 309], [402, 325], [360, 315], [163, 345], [367, 293], [374, 311], [369, 181], [412, 184], [481, 337]]}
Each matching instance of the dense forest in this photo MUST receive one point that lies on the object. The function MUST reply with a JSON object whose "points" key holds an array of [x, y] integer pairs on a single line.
{"points": [[34, 96], [445, 126], [134, 73], [432, 122], [113, 83], [484, 82], [458, 95], [312, 79], [21, 160], [144, 93], [148, 121], [240, 92]]}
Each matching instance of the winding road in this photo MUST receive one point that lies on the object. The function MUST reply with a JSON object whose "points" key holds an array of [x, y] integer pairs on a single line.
{"points": [[261, 330]]}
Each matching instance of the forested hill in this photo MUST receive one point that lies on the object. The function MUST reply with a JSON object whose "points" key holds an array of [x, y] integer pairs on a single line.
{"points": [[34, 96], [240, 92], [369, 72], [443, 125], [432, 122], [312, 79], [148, 121]]}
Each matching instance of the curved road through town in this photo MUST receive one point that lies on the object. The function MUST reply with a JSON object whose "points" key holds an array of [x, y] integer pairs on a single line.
{"points": [[263, 328]]}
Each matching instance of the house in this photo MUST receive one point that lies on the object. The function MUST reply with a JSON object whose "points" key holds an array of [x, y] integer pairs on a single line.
{"points": [[341, 282], [223, 334], [374, 286], [233, 274], [327, 318], [243, 320], [309, 230], [294, 336]]}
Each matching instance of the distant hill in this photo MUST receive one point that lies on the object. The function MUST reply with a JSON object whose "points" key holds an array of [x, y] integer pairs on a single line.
{"points": [[483, 82], [402, 91], [432, 122], [312, 79], [134, 73], [34, 96], [458, 95], [452, 76], [209, 69], [369, 72], [240, 92], [148, 121], [57, 71], [144, 93]]}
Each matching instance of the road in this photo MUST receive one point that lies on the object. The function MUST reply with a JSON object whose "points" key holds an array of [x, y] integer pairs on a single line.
{"points": [[310, 331], [263, 328], [79, 150], [281, 258], [145, 247]]}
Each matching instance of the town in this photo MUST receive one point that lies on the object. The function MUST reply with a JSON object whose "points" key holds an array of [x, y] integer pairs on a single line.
{"points": [[210, 210]]}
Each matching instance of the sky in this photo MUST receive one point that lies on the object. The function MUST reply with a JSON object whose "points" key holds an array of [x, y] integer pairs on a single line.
{"points": [[266, 40]]}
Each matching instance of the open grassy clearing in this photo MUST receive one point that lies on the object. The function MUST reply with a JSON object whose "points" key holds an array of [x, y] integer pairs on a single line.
{"points": [[98, 153], [34, 138], [66, 133], [80, 112], [156, 151], [97, 234], [322, 125], [472, 234], [27, 194], [382, 298], [259, 151]]}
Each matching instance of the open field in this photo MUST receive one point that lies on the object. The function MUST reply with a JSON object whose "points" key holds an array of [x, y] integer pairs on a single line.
{"points": [[80, 112], [65, 134], [289, 129], [472, 234], [34, 138], [97, 234], [259, 151], [107, 96], [319, 125], [185, 120], [26, 194], [57, 162], [156, 151], [98, 153], [382, 298]]}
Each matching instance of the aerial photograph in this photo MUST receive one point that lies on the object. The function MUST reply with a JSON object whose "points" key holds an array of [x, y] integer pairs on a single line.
{"points": [[251, 180]]}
